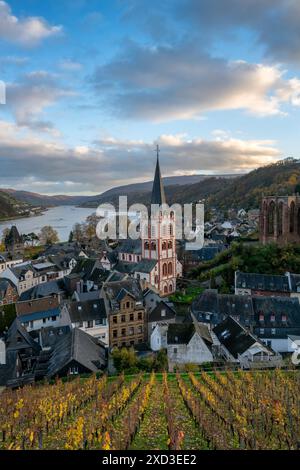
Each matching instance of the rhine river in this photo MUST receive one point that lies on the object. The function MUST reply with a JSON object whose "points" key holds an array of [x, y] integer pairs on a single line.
{"points": [[61, 218]]}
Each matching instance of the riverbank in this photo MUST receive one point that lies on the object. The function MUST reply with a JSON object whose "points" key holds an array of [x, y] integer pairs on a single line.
{"points": [[61, 218]]}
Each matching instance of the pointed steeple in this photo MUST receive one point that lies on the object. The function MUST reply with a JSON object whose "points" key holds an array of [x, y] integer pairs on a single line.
{"points": [[158, 192]]}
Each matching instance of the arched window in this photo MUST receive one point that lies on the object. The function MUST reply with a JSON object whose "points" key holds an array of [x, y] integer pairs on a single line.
{"points": [[164, 245], [271, 218], [166, 289], [171, 229], [170, 245], [123, 256], [165, 269], [280, 218], [172, 215], [156, 279], [292, 217], [130, 258], [170, 268], [146, 245], [170, 287], [153, 246]]}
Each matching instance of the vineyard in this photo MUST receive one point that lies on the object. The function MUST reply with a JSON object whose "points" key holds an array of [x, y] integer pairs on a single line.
{"points": [[219, 410]]}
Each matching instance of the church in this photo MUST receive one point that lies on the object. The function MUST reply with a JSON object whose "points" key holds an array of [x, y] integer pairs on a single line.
{"points": [[153, 259]]}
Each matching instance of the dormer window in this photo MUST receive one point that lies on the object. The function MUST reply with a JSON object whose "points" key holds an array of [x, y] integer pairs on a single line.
{"points": [[163, 313], [272, 318], [261, 317], [283, 318], [79, 308]]}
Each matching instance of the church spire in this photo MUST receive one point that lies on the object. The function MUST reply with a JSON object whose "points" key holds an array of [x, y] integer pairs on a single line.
{"points": [[158, 192]]}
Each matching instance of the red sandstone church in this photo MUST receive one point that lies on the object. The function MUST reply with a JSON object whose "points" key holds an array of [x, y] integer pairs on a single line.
{"points": [[153, 259], [280, 219]]}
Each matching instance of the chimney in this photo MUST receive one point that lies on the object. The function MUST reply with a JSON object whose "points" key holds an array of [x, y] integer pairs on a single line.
{"points": [[2, 352]]}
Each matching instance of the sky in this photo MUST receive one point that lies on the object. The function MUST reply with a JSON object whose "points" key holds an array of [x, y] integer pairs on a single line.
{"points": [[93, 85]]}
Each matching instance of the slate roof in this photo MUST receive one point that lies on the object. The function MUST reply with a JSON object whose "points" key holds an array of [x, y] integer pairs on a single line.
{"points": [[86, 311], [130, 246], [265, 282], [46, 289], [180, 333], [235, 338], [78, 346], [156, 313], [13, 236], [281, 314], [204, 254], [112, 291], [158, 192], [17, 330], [125, 267], [145, 266]]}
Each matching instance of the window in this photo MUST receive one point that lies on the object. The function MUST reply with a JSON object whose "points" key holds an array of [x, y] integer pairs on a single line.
{"points": [[44, 320], [261, 317], [127, 304], [163, 312], [79, 308], [140, 329], [131, 331], [53, 318], [175, 350], [115, 319], [73, 370], [90, 324], [115, 333], [273, 331], [140, 316], [283, 318], [272, 318], [123, 332], [98, 322], [261, 331], [131, 317], [123, 318]]}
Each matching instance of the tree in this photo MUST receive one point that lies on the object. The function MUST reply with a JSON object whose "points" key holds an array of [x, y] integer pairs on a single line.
{"points": [[48, 236], [71, 236], [5, 232], [7, 316], [124, 359], [78, 232]]}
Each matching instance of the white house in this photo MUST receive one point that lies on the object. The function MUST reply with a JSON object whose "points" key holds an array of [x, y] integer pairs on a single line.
{"points": [[91, 317], [24, 276], [7, 261], [158, 337], [188, 343]]}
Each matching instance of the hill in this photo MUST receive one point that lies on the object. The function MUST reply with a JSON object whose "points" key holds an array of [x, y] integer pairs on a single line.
{"points": [[36, 199], [11, 207], [281, 178], [223, 192]]}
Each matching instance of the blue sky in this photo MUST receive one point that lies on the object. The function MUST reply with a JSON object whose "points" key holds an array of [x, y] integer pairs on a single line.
{"points": [[93, 85]]}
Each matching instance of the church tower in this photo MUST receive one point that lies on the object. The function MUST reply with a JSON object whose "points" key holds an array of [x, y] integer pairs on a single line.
{"points": [[158, 239]]}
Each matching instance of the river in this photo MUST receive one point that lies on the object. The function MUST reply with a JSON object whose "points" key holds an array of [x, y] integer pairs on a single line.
{"points": [[61, 218]]}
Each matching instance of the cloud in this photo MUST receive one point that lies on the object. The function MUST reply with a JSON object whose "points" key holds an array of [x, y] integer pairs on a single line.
{"points": [[31, 163], [28, 31], [184, 82], [29, 97], [275, 24], [70, 65]]}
